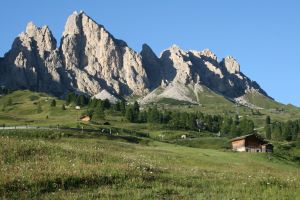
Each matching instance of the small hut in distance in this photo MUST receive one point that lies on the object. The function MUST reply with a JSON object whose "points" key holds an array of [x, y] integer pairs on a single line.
{"points": [[85, 118], [251, 143]]}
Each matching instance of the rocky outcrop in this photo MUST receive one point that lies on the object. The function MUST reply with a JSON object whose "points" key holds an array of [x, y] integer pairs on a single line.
{"points": [[91, 61], [152, 65], [202, 68], [96, 60], [231, 65], [33, 62], [176, 65]]}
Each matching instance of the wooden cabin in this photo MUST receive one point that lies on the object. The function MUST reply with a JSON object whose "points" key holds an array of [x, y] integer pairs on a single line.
{"points": [[251, 143], [85, 118]]}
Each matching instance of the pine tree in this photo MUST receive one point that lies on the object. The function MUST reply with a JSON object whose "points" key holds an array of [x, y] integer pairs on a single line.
{"points": [[208, 122], [277, 131], [71, 97], [63, 107], [53, 103], [106, 104], [268, 129], [142, 117], [129, 114], [136, 111], [153, 115], [234, 131], [268, 120], [98, 113], [175, 120], [39, 109], [287, 131], [93, 103], [136, 107], [117, 106], [191, 123], [81, 100], [9, 102], [246, 126], [123, 107], [226, 125]]}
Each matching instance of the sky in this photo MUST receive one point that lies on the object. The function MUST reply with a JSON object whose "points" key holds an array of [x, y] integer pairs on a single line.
{"points": [[263, 35]]}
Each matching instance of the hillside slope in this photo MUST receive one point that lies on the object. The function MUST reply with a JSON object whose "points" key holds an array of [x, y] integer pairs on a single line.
{"points": [[76, 166]]}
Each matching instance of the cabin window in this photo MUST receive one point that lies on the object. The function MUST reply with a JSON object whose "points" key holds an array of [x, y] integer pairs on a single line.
{"points": [[257, 150]]}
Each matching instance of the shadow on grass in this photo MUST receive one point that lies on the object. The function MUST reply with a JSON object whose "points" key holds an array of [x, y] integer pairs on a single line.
{"points": [[17, 187], [55, 135]]}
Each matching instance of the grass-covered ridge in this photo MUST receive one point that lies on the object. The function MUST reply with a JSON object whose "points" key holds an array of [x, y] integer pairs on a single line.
{"points": [[27, 107]]}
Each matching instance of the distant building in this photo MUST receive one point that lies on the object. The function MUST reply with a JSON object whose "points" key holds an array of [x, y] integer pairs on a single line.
{"points": [[85, 118], [251, 143], [183, 136], [77, 107]]}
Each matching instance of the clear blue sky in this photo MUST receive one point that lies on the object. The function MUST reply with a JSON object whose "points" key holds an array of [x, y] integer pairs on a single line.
{"points": [[263, 35]]}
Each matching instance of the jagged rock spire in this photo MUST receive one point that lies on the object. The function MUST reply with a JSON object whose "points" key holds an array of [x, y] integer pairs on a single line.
{"points": [[88, 47]]}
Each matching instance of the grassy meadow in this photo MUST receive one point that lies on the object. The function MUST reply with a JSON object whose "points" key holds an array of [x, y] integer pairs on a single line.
{"points": [[136, 161], [73, 165]]}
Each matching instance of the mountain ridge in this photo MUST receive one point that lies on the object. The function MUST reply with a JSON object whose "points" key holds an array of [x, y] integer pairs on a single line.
{"points": [[91, 61]]}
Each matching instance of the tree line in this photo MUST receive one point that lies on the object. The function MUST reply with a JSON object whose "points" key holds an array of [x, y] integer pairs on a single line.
{"points": [[195, 121], [276, 130], [229, 126]]}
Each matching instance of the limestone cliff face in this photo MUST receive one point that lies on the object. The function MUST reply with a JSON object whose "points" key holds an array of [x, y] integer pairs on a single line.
{"points": [[202, 67], [152, 65], [91, 61], [96, 60], [33, 62]]}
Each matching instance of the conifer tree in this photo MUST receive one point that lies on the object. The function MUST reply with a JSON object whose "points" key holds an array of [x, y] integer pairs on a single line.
{"points": [[53, 103], [268, 129]]}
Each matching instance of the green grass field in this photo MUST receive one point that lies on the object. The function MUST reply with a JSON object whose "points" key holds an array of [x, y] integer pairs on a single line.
{"points": [[91, 166], [138, 161]]}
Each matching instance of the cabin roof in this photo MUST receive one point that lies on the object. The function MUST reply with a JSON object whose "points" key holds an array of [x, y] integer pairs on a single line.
{"points": [[259, 137], [84, 116]]}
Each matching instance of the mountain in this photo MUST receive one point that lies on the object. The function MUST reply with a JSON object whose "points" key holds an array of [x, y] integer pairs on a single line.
{"points": [[96, 61], [195, 69], [91, 61], [33, 62]]}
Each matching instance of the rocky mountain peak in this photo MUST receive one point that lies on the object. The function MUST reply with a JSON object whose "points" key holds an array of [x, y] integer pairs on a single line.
{"points": [[91, 61], [176, 50], [149, 54], [176, 64], [42, 35], [208, 53], [94, 55], [34, 62], [31, 28], [231, 65], [75, 23], [205, 54], [152, 65]]}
